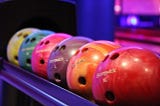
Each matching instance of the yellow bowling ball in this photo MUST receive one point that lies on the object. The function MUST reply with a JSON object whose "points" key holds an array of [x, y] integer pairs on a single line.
{"points": [[15, 43]]}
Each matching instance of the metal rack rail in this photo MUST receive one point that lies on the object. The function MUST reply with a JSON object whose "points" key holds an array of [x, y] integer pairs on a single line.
{"points": [[43, 91]]}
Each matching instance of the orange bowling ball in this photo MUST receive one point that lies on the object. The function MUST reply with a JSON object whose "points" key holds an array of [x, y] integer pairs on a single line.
{"points": [[83, 64]]}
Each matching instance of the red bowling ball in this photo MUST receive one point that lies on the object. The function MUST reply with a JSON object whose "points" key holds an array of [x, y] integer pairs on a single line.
{"points": [[42, 52], [83, 64], [128, 76]]}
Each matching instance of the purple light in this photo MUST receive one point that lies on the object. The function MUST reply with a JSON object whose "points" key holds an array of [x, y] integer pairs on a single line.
{"points": [[132, 20]]}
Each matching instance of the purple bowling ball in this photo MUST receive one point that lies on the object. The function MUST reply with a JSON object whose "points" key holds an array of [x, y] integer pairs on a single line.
{"points": [[59, 58]]}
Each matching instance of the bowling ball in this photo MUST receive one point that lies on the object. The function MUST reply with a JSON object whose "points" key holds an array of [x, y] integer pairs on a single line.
{"points": [[27, 46], [59, 58], [42, 51], [128, 76], [15, 43], [84, 63]]}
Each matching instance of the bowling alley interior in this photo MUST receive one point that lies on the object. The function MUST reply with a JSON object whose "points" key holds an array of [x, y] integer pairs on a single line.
{"points": [[80, 52]]}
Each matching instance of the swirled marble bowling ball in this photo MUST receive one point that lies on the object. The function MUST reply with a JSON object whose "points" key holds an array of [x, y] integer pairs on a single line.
{"points": [[59, 58], [83, 64]]}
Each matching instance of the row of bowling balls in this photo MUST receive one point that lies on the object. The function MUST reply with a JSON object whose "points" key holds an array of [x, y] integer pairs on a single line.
{"points": [[99, 70]]}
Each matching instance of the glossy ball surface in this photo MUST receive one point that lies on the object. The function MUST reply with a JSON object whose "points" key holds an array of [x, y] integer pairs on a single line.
{"points": [[42, 52], [27, 47], [60, 57], [84, 63], [15, 43], [128, 76]]}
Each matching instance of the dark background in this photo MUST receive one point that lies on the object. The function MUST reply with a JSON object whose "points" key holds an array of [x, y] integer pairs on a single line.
{"points": [[44, 14]]}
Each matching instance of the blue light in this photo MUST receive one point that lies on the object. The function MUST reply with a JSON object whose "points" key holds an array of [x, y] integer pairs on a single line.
{"points": [[132, 20], [69, 1]]}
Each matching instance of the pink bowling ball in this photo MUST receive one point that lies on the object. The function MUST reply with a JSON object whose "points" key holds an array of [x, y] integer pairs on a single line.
{"points": [[42, 52]]}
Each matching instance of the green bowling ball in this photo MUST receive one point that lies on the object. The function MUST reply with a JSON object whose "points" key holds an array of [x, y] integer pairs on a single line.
{"points": [[26, 49]]}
